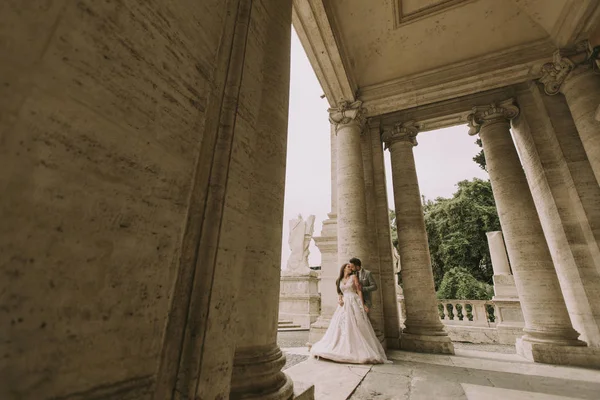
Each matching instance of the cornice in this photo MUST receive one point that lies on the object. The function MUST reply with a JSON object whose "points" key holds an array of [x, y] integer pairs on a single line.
{"points": [[514, 65], [445, 113], [314, 28]]}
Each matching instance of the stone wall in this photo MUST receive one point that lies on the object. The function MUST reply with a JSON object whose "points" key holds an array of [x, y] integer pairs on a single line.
{"points": [[102, 113]]}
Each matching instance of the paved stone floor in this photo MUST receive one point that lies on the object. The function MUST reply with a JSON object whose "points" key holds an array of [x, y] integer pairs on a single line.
{"points": [[476, 372], [292, 339]]}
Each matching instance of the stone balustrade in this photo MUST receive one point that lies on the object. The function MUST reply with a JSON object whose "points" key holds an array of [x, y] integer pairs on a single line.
{"points": [[468, 312]]}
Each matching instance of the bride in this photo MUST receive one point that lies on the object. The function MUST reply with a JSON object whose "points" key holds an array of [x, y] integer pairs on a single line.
{"points": [[350, 337]]}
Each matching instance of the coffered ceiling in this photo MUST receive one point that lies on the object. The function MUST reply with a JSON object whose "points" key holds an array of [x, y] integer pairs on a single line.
{"points": [[395, 54]]}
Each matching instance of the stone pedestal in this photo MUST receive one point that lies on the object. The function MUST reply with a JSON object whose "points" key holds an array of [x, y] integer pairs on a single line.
{"points": [[509, 317], [299, 300], [327, 245], [424, 331]]}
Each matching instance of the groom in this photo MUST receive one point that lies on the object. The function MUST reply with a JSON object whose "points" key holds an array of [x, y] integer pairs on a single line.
{"points": [[366, 280]]}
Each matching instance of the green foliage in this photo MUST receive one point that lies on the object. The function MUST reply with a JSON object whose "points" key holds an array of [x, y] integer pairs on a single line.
{"points": [[480, 157], [456, 229], [459, 284]]}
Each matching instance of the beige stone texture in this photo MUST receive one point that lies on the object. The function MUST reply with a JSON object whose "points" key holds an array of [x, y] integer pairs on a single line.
{"points": [[424, 332], [547, 322], [299, 299], [567, 198], [258, 360], [104, 114], [379, 230], [500, 263], [582, 91], [327, 245]]}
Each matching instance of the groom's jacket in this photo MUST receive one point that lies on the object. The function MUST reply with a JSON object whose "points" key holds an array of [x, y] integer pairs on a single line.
{"points": [[366, 280]]}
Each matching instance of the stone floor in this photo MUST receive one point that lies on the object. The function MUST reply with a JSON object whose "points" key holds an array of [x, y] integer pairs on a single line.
{"points": [[476, 372]]}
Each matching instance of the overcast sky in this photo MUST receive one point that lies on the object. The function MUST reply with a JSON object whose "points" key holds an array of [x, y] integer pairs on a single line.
{"points": [[443, 157]]}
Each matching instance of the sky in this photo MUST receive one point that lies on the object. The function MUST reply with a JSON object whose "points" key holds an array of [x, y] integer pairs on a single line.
{"points": [[442, 157]]}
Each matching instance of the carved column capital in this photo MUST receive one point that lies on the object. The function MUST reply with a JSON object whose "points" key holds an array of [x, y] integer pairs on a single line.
{"points": [[403, 132], [566, 63], [495, 112], [347, 113], [555, 72]]}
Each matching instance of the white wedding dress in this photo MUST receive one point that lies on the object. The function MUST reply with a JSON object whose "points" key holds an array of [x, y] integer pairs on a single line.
{"points": [[350, 337]]}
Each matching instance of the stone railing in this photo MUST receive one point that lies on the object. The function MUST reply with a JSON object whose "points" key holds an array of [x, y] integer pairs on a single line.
{"points": [[467, 312]]}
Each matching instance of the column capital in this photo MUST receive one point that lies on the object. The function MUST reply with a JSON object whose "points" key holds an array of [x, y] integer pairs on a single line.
{"points": [[347, 113], [481, 115], [402, 132], [557, 71]]}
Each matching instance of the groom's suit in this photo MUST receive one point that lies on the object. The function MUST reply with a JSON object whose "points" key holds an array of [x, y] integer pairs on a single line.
{"points": [[366, 280]]}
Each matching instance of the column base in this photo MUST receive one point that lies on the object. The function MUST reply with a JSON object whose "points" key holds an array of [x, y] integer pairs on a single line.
{"points": [[550, 353], [392, 343], [257, 375], [437, 344]]}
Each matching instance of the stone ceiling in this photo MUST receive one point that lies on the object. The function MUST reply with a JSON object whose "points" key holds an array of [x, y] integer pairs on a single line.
{"points": [[396, 54]]}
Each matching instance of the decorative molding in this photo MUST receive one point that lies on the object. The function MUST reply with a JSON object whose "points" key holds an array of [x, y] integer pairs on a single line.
{"points": [[555, 72], [402, 18], [481, 115], [445, 113], [515, 65], [314, 28], [403, 132], [347, 113], [564, 62]]}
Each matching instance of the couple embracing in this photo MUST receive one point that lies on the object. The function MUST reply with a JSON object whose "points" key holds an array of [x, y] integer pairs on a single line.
{"points": [[350, 337]]}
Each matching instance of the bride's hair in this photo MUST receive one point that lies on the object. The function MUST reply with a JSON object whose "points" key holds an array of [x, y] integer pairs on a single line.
{"points": [[339, 279]]}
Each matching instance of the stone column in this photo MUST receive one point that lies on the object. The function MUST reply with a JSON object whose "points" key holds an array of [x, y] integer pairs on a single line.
{"points": [[567, 198], [327, 245], [549, 336], [353, 228], [351, 201], [258, 360], [424, 331], [581, 87], [383, 248]]}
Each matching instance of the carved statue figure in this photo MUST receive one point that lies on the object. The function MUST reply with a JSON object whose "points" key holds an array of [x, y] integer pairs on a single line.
{"points": [[301, 232]]}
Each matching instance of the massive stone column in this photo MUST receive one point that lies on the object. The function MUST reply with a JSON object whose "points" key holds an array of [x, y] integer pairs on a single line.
{"points": [[567, 198], [258, 360], [352, 221], [424, 331], [378, 212], [549, 336], [581, 87], [351, 202]]}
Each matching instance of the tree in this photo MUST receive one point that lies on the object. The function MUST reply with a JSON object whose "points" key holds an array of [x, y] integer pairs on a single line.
{"points": [[456, 229], [480, 157], [459, 284]]}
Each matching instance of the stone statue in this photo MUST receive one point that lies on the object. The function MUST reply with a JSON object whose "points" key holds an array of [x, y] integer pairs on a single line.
{"points": [[301, 232]]}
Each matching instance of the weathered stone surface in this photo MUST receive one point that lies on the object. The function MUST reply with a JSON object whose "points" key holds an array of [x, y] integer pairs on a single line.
{"points": [[102, 108]]}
